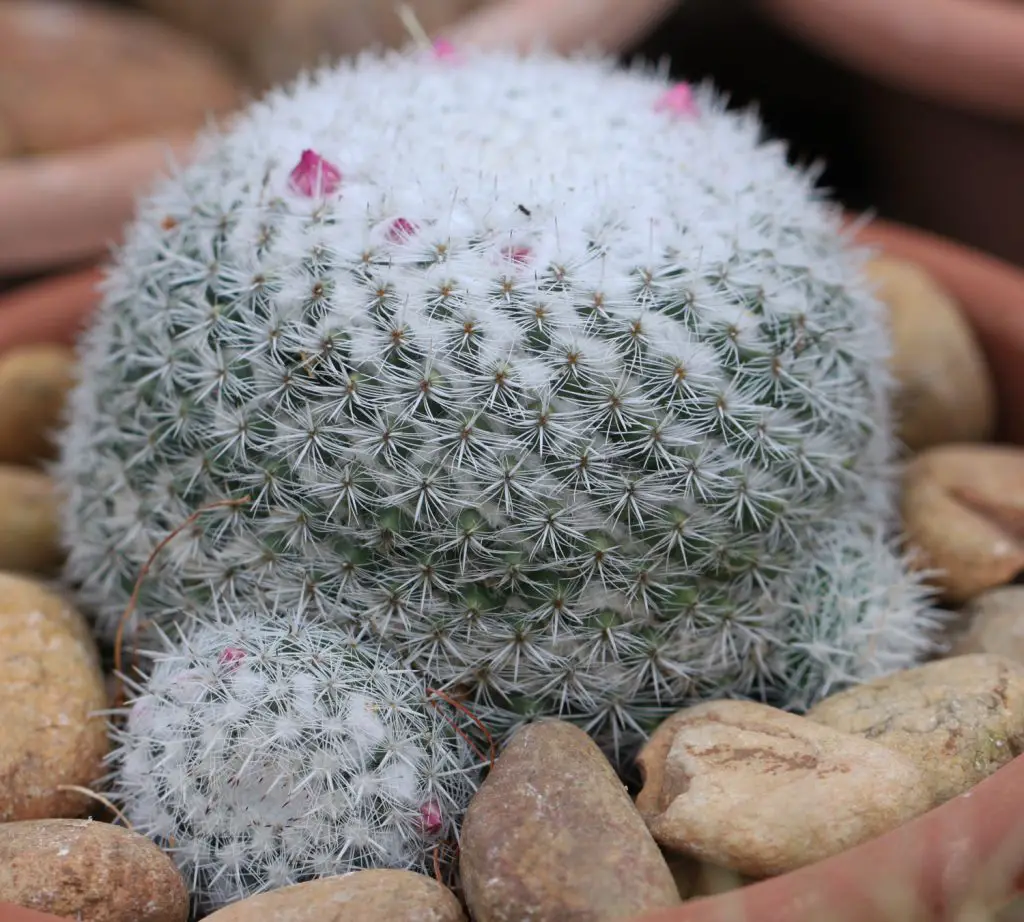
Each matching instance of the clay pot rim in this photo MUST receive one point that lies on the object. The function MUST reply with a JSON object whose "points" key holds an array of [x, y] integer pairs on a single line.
{"points": [[968, 54]]}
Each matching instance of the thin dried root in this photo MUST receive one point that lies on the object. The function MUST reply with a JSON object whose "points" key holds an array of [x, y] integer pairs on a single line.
{"points": [[133, 601], [459, 706], [92, 795]]}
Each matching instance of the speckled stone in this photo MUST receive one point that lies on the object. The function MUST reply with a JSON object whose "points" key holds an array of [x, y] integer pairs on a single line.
{"points": [[363, 896], [91, 871], [51, 690], [552, 835], [959, 719]]}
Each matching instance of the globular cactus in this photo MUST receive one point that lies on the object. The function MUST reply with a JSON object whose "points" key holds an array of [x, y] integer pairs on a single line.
{"points": [[541, 372], [261, 752]]}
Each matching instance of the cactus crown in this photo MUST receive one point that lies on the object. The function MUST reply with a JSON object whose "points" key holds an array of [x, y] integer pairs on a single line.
{"points": [[262, 753], [540, 372]]}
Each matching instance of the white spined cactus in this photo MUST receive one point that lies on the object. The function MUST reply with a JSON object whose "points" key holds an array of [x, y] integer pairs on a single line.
{"points": [[542, 372], [262, 753], [855, 613]]}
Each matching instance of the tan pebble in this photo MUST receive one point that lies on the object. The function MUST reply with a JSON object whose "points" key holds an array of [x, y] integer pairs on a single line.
{"points": [[963, 515], [29, 521], [51, 688], [364, 896], [34, 384], [553, 835], [762, 792], [946, 393], [993, 623], [95, 872], [958, 719]]}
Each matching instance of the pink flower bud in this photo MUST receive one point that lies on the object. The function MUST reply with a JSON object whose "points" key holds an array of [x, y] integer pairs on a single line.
{"points": [[431, 818], [677, 101], [314, 176], [401, 229], [444, 50], [518, 254], [231, 656]]}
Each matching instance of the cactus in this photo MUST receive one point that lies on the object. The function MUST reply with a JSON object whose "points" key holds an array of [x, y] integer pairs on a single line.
{"points": [[542, 373], [262, 752], [859, 610]]}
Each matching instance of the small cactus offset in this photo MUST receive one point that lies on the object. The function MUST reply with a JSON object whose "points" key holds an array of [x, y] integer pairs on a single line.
{"points": [[857, 613], [542, 373], [262, 753]]}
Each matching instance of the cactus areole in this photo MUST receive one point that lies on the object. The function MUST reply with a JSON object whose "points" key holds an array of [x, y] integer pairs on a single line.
{"points": [[552, 378]]}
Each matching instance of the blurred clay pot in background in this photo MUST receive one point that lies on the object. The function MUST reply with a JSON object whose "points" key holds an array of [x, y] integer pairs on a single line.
{"points": [[93, 101], [67, 208], [74, 74], [272, 40], [51, 310], [940, 116]]}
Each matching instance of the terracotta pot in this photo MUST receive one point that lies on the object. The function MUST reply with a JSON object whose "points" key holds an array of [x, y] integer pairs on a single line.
{"points": [[964, 53], [63, 208], [53, 310], [272, 40], [563, 25], [74, 74], [941, 113]]}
